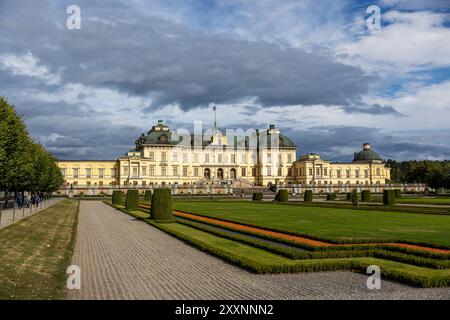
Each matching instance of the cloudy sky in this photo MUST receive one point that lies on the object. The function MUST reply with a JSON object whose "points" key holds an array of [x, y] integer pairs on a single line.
{"points": [[311, 67]]}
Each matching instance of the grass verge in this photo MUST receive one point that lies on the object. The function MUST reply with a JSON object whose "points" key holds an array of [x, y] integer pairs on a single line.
{"points": [[36, 251]]}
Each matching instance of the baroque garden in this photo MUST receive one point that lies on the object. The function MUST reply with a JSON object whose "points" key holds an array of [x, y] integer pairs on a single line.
{"points": [[297, 216]]}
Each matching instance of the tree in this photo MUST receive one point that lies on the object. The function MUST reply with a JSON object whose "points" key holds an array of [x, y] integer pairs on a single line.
{"points": [[24, 164]]}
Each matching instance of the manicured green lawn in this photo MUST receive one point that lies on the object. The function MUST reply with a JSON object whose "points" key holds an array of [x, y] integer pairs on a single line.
{"points": [[262, 261], [36, 251], [330, 223], [418, 200]]}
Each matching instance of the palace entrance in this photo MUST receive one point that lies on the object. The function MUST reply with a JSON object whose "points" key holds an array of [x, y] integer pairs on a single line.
{"points": [[220, 174], [207, 173]]}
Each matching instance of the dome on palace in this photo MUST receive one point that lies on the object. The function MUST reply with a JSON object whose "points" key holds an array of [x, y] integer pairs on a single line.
{"points": [[367, 155]]}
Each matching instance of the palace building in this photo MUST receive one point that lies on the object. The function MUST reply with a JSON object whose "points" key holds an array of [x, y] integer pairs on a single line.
{"points": [[262, 158]]}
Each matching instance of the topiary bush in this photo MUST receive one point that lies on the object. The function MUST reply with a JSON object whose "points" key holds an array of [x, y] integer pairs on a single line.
{"points": [[355, 197], [308, 196], [389, 197], [282, 196], [148, 195], [366, 196], [132, 201], [257, 196], [398, 193], [331, 196], [161, 207], [117, 197]]}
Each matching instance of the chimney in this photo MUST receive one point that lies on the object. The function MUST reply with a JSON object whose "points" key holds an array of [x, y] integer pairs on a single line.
{"points": [[366, 146]]}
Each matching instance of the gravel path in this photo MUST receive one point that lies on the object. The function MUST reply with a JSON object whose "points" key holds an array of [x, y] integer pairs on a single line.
{"points": [[9, 216], [123, 258]]}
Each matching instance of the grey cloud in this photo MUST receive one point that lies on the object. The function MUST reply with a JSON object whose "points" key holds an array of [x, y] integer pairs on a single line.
{"points": [[374, 108], [173, 64]]}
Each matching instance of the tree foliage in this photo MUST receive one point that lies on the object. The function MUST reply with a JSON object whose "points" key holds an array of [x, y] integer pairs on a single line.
{"points": [[436, 174], [24, 164]]}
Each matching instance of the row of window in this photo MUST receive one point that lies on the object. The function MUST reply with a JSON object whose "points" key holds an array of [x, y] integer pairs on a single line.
{"points": [[339, 172], [88, 172], [212, 159]]}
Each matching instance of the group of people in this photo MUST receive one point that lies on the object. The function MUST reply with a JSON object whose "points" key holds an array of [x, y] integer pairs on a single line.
{"points": [[23, 200]]}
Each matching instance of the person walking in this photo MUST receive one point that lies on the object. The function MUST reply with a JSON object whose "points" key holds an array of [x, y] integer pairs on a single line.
{"points": [[37, 199], [26, 201], [33, 199]]}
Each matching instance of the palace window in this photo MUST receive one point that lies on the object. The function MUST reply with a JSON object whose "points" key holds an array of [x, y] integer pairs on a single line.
{"points": [[269, 158], [151, 156], [207, 157], [269, 171], [175, 171], [126, 170], [280, 158], [196, 172], [253, 172], [175, 156], [348, 173], [185, 171], [338, 173], [243, 172], [378, 172], [310, 171], [289, 158], [317, 172], [144, 171], [113, 173], [196, 157], [163, 171], [366, 173], [75, 173], [219, 158], [290, 172], [144, 183], [280, 171], [63, 172], [151, 171], [164, 156], [185, 157], [135, 171], [233, 158], [101, 173], [88, 173], [356, 173], [325, 171], [243, 158]]}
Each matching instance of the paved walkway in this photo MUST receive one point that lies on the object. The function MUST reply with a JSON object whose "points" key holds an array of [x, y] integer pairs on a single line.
{"points": [[9, 216], [123, 258]]}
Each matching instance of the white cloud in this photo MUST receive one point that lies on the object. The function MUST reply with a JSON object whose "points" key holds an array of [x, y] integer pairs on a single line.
{"points": [[411, 41], [27, 65]]}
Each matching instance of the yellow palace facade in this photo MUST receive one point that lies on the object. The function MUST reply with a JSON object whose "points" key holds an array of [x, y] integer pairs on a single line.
{"points": [[264, 158]]}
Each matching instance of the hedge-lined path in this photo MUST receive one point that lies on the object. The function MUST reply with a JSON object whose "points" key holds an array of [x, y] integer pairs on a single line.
{"points": [[123, 258], [238, 226], [8, 215]]}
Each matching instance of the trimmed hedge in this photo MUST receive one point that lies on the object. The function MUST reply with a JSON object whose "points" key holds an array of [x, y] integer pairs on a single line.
{"points": [[308, 196], [366, 195], [389, 197], [162, 205], [117, 197], [132, 201], [148, 195], [282, 196], [331, 196], [354, 197], [398, 193], [257, 196]]}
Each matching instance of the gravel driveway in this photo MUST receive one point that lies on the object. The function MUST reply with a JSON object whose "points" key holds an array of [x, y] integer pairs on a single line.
{"points": [[123, 258]]}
